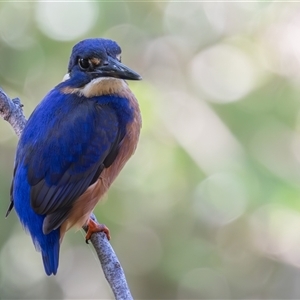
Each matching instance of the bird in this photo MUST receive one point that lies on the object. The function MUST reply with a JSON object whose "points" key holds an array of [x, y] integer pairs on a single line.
{"points": [[73, 146]]}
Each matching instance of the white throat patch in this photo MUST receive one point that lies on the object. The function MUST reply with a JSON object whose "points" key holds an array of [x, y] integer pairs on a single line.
{"points": [[103, 86], [66, 77]]}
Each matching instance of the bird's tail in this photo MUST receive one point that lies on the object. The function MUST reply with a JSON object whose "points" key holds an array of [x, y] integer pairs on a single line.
{"points": [[50, 254], [47, 244]]}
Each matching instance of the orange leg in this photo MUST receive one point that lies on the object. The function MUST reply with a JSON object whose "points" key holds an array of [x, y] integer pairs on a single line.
{"points": [[95, 227]]}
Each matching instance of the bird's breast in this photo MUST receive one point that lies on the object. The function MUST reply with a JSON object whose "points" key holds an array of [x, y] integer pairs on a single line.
{"points": [[87, 201]]}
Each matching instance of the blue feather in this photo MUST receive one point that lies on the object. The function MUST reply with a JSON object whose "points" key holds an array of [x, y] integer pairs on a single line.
{"points": [[92, 48], [48, 244], [62, 147]]}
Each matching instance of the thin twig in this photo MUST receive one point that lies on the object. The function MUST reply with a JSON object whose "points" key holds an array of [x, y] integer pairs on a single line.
{"points": [[11, 111]]}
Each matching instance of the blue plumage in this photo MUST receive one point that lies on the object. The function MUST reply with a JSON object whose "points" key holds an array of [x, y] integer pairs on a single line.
{"points": [[47, 244], [68, 141]]}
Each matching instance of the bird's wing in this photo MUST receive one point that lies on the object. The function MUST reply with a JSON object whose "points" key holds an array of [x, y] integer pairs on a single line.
{"points": [[68, 156]]}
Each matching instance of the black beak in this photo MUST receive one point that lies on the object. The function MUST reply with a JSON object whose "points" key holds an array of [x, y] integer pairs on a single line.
{"points": [[113, 68]]}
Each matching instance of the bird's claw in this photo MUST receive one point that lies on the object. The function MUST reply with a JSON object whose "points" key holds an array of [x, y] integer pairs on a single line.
{"points": [[95, 227]]}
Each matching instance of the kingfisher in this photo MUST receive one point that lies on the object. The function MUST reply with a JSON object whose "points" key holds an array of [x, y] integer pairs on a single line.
{"points": [[73, 147]]}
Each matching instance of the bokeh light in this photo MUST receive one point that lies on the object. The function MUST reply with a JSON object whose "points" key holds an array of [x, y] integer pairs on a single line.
{"points": [[220, 199], [224, 73], [66, 21]]}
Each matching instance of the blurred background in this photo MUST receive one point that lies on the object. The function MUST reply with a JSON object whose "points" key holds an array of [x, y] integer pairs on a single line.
{"points": [[209, 206]]}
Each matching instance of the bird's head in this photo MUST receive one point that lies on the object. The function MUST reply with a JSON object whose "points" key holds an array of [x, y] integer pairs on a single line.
{"points": [[96, 59]]}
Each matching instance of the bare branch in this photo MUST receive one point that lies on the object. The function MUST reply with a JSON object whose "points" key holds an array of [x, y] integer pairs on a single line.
{"points": [[11, 111], [112, 269]]}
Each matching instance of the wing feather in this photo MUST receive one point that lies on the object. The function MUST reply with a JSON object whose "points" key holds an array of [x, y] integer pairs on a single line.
{"points": [[63, 152]]}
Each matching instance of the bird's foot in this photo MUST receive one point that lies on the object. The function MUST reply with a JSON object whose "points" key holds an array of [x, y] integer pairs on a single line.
{"points": [[95, 227]]}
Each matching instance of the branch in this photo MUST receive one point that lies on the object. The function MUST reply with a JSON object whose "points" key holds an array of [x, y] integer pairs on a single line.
{"points": [[12, 112], [111, 266]]}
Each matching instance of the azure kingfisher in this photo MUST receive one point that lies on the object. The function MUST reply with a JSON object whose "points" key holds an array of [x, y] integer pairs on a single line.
{"points": [[73, 146]]}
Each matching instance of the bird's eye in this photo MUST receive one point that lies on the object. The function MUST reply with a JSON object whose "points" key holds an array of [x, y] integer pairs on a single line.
{"points": [[84, 63]]}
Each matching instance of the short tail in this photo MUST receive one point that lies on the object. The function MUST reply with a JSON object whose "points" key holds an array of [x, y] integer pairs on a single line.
{"points": [[50, 255]]}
